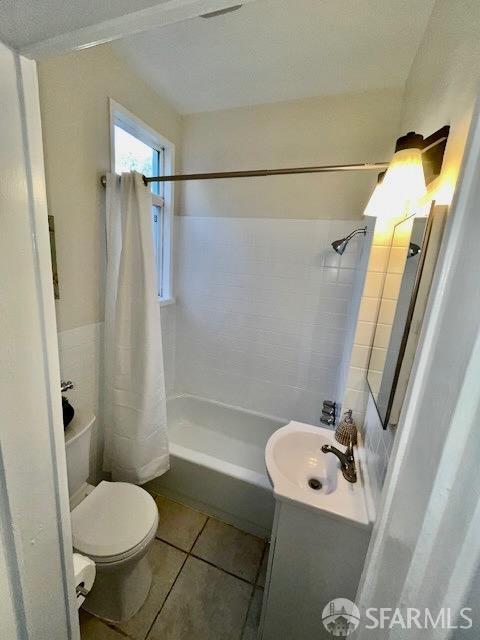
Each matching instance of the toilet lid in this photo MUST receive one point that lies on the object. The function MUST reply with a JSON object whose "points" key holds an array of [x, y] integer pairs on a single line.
{"points": [[114, 518]]}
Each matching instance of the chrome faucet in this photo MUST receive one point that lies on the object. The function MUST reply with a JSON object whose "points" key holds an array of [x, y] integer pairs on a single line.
{"points": [[347, 461]]}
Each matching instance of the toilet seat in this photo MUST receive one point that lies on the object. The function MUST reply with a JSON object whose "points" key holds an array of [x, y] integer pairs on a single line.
{"points": [[114, 522]]}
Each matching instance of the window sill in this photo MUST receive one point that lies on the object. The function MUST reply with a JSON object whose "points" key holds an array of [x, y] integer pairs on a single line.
{"points": [[165, 302]]}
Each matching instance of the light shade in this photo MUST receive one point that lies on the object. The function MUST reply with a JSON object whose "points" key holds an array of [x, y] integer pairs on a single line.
{"points": [[377, 206], [403, 188]]}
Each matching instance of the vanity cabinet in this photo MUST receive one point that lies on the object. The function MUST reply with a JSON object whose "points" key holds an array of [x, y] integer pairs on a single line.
{"points": [[314, 557]]}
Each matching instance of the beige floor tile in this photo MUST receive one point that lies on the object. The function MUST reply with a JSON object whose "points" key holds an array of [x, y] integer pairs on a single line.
{"points": [[166, 563], [178, 524], [230, 549], [92, 628], [204, 604], [263, 568], [253, 618]]}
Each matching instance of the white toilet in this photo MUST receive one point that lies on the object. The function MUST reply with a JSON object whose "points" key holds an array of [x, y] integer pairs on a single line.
{"points": [[114, 524]]}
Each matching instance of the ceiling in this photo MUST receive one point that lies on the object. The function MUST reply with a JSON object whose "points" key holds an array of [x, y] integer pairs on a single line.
{"points": [[26, 22], [275, 50]]}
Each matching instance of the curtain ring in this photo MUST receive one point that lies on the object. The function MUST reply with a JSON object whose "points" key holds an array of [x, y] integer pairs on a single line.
{"points": [[144, 180]]}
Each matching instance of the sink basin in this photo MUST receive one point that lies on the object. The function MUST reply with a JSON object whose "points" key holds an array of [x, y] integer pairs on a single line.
{"points": [[300, 472], [298, 458]]}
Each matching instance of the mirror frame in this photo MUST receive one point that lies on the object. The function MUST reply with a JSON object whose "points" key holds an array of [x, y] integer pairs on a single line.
{"points": [[385, 421]]}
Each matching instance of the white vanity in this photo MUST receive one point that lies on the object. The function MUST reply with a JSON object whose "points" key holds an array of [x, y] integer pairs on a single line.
{"points": [[320, 535]]}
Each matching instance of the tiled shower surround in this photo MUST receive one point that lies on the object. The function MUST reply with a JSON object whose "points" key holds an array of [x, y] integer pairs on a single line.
{"points": [[262, 315], [262, 311]]}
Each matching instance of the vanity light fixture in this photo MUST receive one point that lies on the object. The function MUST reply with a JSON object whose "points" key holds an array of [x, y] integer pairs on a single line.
{"points": [[403, 186], [404, 181], [401, 190]]}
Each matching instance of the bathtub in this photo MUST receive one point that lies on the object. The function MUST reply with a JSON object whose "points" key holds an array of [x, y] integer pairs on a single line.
{"points": [[217, 461]]}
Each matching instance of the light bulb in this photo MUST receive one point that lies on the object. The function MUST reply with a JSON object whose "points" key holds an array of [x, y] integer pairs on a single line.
{"points": [[377, 206], [403, 188]]}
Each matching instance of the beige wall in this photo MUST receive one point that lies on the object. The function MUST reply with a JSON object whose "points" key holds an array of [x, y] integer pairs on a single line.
{"points": [[444, 81], [74, 92], [339, 129], [441, 89]]}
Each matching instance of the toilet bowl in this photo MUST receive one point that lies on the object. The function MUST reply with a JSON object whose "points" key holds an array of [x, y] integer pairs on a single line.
{"points": [[115, 525]]}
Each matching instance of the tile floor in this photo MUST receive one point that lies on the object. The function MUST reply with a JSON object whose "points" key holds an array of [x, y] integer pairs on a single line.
{"points": [[208, 580]]}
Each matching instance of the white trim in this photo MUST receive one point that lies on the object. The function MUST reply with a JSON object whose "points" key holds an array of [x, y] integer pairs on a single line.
{"points": [[133, 124], [166, 302], [159, 15], [124, 118], [35, 148], [35, 517]]}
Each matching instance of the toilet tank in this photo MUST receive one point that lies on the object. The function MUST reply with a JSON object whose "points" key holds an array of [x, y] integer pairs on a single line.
{"points": [[77, 448]]}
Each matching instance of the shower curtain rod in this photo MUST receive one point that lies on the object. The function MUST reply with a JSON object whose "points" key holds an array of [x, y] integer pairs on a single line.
{"points": [[256, 173]]}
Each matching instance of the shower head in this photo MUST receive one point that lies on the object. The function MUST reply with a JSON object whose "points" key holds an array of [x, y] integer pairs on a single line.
{"points": [[413, 250], [340, 245]]}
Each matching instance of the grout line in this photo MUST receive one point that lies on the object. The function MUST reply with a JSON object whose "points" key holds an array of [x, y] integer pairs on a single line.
{"points": [[209, 562], [170, 544], [215, 566], [212, 564], [244, 624], [254, 588], [257, 575], [111, 625], [166, 597], [187, 555]]}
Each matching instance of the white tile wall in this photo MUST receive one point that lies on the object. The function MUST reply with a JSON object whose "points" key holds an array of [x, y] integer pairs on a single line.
{"points": [[378, 446], [352, 354], [168, 319], [80, 352], [262, 311], [382, 280], [356, 388], [81, 360]]}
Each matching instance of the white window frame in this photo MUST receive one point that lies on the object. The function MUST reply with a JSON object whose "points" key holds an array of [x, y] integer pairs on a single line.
{"points": [[163, 236]]}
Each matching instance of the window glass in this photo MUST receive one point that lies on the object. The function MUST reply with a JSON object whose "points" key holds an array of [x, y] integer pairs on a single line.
{"points": [[131, 153]]}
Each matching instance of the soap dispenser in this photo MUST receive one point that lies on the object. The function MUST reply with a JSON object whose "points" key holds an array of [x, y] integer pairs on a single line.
{"points": [[346, 431]]}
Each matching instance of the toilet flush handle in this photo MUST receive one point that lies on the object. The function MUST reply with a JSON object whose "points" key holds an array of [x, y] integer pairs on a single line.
{"points": [[81, 591], [65, 385]]}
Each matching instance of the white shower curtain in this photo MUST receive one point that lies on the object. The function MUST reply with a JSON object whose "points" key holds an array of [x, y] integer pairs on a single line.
{"points": [[136, 445]]}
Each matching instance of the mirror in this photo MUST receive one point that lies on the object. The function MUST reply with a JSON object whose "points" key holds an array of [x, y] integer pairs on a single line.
{"points": [[413, 254]]}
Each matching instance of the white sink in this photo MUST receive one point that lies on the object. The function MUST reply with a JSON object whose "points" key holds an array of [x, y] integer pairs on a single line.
{"points": [[294, 459]]}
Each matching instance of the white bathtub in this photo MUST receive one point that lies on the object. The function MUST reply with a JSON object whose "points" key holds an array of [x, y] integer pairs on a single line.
{"points": [[217, 461]]}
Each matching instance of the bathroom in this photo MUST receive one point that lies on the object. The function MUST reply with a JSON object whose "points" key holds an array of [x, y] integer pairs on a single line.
{"points": [[305, 297]]}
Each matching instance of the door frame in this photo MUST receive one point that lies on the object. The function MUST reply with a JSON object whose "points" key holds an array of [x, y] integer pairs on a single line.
{"points": [[36, 561]]}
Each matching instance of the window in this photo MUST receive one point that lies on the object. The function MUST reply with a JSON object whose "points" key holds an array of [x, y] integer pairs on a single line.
{"points": [[137, 147]]}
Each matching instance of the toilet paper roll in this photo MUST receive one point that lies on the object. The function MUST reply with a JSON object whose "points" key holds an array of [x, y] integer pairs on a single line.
{"points": [[84, 570]]}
